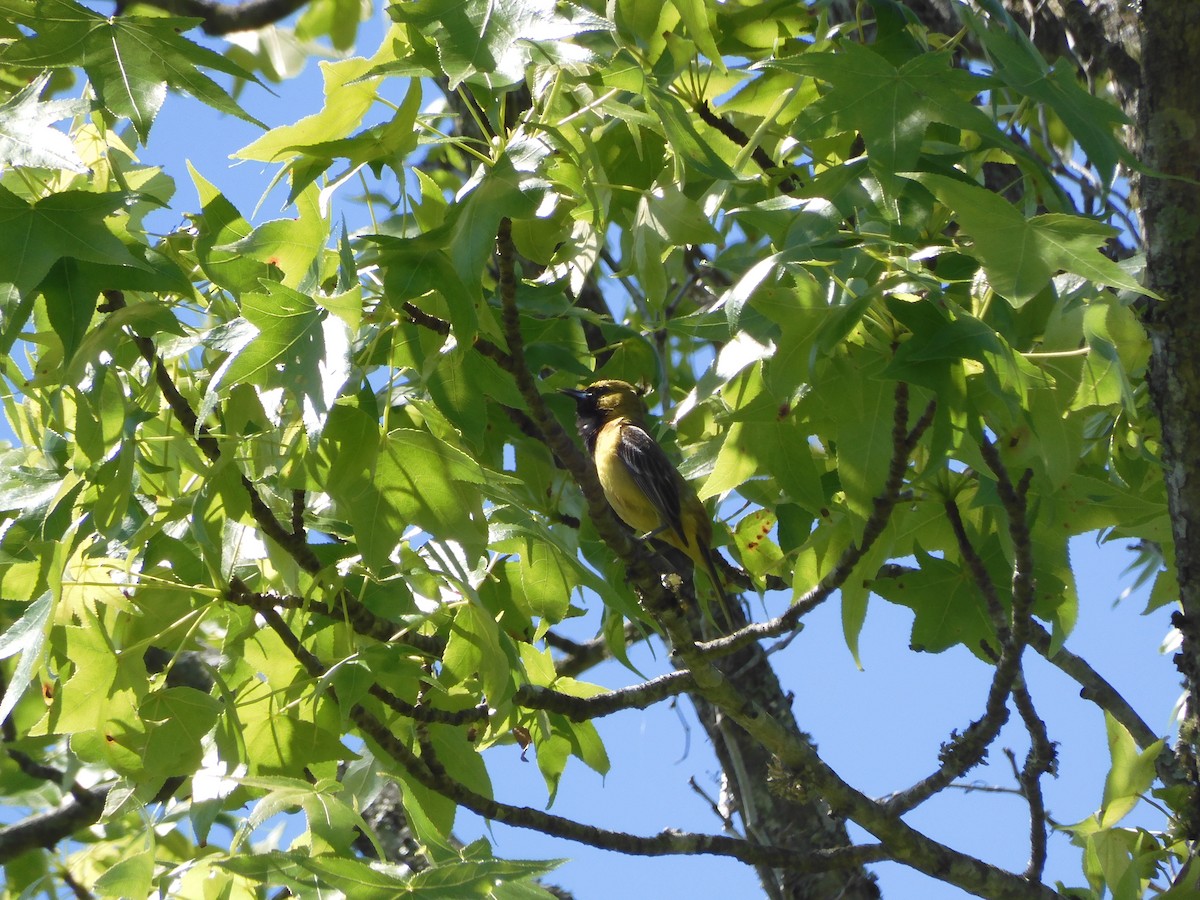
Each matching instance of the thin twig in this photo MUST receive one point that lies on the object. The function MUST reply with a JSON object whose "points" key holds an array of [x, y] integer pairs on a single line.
{"points": [[579, 657], [979, 573], [580, 709], [442, 327], [419, 713], [428, 771], [1042, 759], [344, 608]]}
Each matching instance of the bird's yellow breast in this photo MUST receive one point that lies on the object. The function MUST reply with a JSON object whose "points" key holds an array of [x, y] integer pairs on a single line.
{"points": [[627, 499]]}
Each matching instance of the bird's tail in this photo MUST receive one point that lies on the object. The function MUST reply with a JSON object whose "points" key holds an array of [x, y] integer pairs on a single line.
{"points": [[708, 556]]}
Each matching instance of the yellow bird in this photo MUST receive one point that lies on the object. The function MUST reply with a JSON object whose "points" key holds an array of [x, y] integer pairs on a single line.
{"points": [[644, 489]]}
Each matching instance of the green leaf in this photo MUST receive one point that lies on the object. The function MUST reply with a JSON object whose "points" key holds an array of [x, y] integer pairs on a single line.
{"points": [[677, 218], [756, 550], [472, 878], [547, 580], [183, 717], [430, 815], [292, 246], [282, 744], [493, 43], [288, 325], [219, 228], [130, 876], [103, 692], [413, 268], [947, 604], [553, 751], [26, 135], [298, 346], [695, 17], [780, 448], [26, 636], [735, 463], [509, 188], [1091, 120], [333, 826], [23, 488], [434, 485], [862, 407], [384, 485], [69, 224], [100, 417], [1020, 255], [891, 106], [459, 387], [474, 649], [377, 146], [680, 128], [348, 96], [310, 875], [130, 59], [1131, 774], [73, 286]]}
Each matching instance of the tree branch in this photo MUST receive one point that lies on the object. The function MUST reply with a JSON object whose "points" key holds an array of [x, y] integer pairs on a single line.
{"points": [[963, 752], [803, 769], [579, 657], [432, 775], [442, 327], [224, 18], [579, 709], [49, 828], [261, 604], [1093, 686], [1012, 497], [1042, 759], [979, 574]]}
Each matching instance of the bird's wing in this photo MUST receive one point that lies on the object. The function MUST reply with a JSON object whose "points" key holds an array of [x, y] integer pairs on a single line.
{"points": [[653, 473]]}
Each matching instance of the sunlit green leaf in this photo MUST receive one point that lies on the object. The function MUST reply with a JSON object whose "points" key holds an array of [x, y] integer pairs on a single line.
{"points": [[494, 43], [130, 59], [68, 225], [948, 606], [26, 138], [1131, 774], [1020, 255]]}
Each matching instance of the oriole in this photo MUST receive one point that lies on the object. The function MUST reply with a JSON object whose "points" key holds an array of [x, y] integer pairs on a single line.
{"points": [[643, 488]]}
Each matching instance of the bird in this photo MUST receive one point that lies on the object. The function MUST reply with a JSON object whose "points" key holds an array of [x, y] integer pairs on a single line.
{"points": [[644, 489]]}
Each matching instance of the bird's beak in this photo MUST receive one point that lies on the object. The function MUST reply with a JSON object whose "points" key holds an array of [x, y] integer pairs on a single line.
{"points": [[574, 393]]}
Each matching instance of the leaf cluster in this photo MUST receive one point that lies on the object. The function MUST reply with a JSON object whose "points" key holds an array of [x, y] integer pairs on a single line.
{"points": [[323, 467]]}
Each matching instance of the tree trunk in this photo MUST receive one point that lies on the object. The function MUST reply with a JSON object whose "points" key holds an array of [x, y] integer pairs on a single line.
{"points": [[770, 816], [1169, 123]]}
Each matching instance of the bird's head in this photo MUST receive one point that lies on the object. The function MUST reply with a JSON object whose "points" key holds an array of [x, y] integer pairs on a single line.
{"points": [[608, 399]]}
